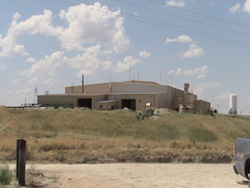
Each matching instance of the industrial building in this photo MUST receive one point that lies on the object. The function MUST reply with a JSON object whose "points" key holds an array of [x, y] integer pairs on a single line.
{"points": [[135, 95]]}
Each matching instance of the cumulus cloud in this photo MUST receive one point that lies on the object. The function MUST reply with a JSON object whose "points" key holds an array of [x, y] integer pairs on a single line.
{"points": [[175, 3], [144, 54], [30, 60], [180, 39], [234, 8], [124, 65], [224, 96], [205, 87], [246, 6], [9, 44], [107, 65], [45, 70], [193, 52], [199, 72], [89, 61], [84, 24]]}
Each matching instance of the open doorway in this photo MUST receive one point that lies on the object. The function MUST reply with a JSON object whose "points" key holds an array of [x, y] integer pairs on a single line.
{"points": [[87, 103], [129, 103]]}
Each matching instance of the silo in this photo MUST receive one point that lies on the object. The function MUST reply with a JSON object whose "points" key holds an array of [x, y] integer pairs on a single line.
{"points": [[233, 104]]}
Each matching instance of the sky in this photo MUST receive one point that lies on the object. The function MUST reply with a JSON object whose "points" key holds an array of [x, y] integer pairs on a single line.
{"points": [[50, 44]]}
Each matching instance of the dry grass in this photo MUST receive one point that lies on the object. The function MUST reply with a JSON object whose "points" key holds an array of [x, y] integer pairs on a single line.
{"points": [[77, 136]]}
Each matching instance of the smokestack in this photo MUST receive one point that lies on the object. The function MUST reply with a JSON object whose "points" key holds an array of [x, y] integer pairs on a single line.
{"points": [[82, 83]]}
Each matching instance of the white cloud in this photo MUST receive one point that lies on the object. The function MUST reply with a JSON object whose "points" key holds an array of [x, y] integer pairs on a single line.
{"points": [[45, 70], [199, 72], [193, 52], [175, 3], [224, 96], [84, 24], [180, 39], [144, 54], [234, 8], [205, 87], [107, 65], [88, 62], [128, 62], [31, 60], [246, 6]]}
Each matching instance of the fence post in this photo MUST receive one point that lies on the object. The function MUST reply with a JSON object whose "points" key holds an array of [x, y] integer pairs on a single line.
{"points": [[21, 160], [17, 157]]}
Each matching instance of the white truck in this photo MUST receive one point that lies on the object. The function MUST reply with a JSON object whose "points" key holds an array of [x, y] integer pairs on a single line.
{"points": [[242, 158]]}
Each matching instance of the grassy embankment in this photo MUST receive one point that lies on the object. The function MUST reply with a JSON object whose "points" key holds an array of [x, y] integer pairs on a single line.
{"points": [[77, 136]]}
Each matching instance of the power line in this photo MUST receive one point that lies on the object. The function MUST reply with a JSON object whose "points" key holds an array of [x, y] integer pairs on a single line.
{"points": [[201, 14], [183, 18], [197, 33], [174, 27]]}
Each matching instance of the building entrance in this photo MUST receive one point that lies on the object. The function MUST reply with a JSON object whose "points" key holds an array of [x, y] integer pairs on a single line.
{"points": [[87, 103], [129, 103]]}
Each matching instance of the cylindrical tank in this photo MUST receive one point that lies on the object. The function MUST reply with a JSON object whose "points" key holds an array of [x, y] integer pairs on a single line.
{"points": [[233, 104]]}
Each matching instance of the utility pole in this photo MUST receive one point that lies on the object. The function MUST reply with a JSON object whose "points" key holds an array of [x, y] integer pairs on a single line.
{"points": [[35, 96], [82, 83]]}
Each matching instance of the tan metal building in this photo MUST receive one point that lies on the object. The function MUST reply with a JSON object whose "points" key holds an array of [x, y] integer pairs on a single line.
{"points": [[135, 95]]}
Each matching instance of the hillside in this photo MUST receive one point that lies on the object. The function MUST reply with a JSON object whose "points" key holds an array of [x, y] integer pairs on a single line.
{"points": [[85, 136]]}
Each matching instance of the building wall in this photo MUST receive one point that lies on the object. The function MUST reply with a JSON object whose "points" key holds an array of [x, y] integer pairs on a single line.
{"points": [[137, 88], [161, 100], [141, 99], [56, 100], [117, 87], [94, 98], [106, 105], [89, 89], [189, 99], [161, 96], [175, 97], [201, 106]]}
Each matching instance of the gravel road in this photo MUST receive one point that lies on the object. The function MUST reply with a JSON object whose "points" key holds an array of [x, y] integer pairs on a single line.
{"points": [[143, 175]]}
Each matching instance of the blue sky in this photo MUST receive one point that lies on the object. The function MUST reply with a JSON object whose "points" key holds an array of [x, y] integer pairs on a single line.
{"points": [[50, 44]]}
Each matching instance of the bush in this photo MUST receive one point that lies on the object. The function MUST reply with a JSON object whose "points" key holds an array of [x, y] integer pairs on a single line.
{"points": [[5, 175], [149, 112]]}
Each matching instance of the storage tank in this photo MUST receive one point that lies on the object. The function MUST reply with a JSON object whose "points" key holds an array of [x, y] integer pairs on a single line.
{"points": [[233, 104]]}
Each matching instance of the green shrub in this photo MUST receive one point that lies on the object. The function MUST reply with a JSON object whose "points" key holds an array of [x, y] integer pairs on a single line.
{"points": [[149, 112], [5, 175]]}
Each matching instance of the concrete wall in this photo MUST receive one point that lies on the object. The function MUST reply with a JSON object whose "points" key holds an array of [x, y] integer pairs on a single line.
{"points": [[137, 88], [201, 106], [189, 99], [95, 99], [56, 99], [161, 100], [106, 105], [117, 87], [141, 99], [161, 96], [89, 89]]}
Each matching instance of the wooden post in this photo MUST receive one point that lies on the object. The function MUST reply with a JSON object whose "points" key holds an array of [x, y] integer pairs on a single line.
{"points": [[17, 157], [21, 160]]}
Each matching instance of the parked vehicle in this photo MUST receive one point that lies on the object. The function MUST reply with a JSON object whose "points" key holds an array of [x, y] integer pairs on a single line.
{"points": [[242, 157]]}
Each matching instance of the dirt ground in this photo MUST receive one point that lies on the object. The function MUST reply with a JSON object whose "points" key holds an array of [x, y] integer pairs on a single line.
{"points": [[141, 176]]}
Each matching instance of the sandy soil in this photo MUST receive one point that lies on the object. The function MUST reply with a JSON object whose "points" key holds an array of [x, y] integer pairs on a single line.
{"points": [[143, 176]]}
